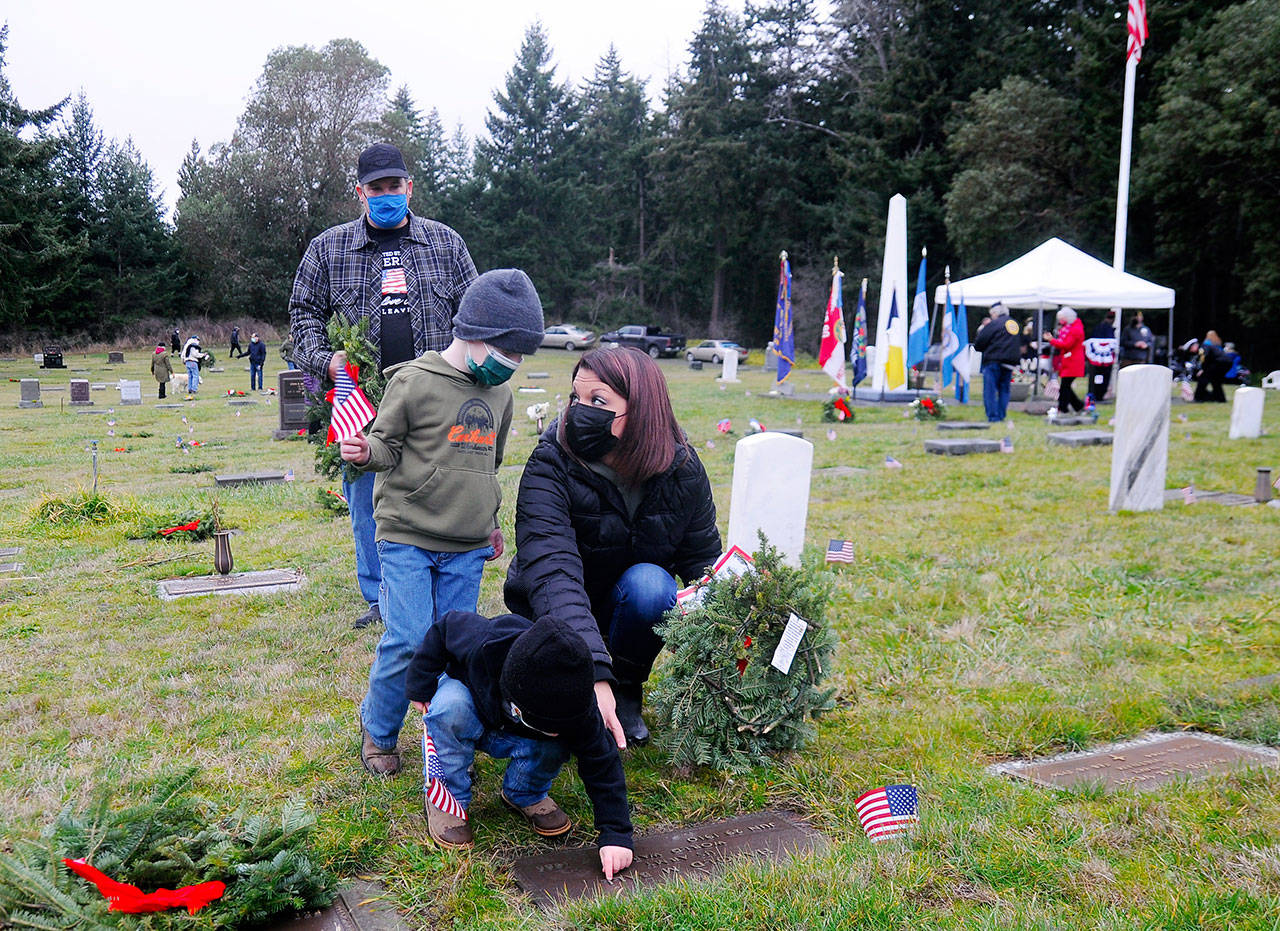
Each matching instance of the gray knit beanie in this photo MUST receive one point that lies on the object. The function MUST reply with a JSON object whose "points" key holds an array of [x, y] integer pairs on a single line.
{"points": [[501, 308]]}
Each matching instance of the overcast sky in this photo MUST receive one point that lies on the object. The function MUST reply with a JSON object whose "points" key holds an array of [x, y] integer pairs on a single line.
{"points": [[167, 73]]}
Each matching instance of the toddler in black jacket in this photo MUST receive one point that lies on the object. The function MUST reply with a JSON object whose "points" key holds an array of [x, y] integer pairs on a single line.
{"points": [[525, 692]]}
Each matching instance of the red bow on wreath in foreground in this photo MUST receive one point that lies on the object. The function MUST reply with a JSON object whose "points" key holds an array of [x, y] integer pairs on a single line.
{"points": [[126, 898]]}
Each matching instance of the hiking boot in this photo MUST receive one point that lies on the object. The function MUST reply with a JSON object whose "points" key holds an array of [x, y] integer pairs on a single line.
{"points": [[449, 831], [628, 710], [545, 817], [372, 616], [377, 762]]}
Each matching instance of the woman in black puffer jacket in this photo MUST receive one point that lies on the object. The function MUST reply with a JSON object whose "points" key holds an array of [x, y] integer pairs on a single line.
{"points": [[613, 505]]}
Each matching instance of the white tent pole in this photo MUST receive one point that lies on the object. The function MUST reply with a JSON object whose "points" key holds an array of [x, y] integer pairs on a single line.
{"points": [[1126, 150]]}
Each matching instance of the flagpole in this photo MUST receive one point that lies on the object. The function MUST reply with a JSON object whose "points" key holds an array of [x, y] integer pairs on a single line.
{"points": [[1126, 150]]}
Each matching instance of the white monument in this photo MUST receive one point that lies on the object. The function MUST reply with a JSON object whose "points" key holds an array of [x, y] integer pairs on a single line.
{"points": [[729, 367], [1246, 413], [130, 392], [1140, 452], [893, 284], [771, 474]]}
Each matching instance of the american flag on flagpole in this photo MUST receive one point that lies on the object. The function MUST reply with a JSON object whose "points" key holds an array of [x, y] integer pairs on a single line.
{"points": [[840, 551], [1137, 28], [887, 811], [438, 793], [351, 409]]}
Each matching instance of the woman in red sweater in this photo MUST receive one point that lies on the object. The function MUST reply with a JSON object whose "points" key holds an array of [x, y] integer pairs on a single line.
{"points": [[1069, 362]]}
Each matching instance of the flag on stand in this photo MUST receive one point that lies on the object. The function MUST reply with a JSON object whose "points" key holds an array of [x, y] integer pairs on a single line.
{"points": [[351, 409], [858, 349], [887, 811], [1137, 29], [831, 352], [438, 793], [895, 370], [918, 334], [962, 365], [891, 463], [839, 551], [1189, 495], [784, 334], [1006, 444]]}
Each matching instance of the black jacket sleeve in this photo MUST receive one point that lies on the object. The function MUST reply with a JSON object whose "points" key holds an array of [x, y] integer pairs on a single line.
{"points": [[547, 548], [600, 767], [983, 337], [451, 639], [700, 546]]}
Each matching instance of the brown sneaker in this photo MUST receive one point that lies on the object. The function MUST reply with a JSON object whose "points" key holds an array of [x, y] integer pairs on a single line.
{"points": [[449, 831], [377, 761], [545, 817]]}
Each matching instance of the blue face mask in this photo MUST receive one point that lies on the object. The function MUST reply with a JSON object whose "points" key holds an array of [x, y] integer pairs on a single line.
{"points": [[387, 210], [495, 369]]}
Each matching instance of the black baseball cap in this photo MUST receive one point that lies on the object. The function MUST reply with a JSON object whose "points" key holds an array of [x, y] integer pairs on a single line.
{"points": [[380, 160]]}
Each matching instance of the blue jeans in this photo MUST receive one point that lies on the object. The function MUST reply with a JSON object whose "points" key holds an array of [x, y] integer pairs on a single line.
{"points": [[193, 377], [995, 390], [359, 495], [417, 587], [458, 732], [255, 377], [641, 597]]}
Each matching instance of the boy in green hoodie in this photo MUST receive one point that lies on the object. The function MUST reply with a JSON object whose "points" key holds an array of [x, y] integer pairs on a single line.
{"points": [[436, 445]]}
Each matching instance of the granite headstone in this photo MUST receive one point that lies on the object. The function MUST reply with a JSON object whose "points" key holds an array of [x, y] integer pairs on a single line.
{"points": [[729, 368], [80, 392], [771, 474], [1246, 413], [293, 403], [1140, 452], [130, 392], [30, 393]]}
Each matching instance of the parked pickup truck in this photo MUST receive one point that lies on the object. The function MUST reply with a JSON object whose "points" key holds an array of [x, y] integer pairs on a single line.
{"points": [[649, 339]]}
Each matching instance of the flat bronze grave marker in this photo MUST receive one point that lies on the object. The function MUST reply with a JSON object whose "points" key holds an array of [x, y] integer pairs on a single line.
{"points": [[1081, 438], [963, 425], [690, 852], [1145, 763], [249, 478], [263, 582], [360, 906], [957, 447]]}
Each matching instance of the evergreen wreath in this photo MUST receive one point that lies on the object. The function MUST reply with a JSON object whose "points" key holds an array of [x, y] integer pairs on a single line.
{"points": [[837, 410], [172, 840], [927, 408], [353, 339], [722, 703]]}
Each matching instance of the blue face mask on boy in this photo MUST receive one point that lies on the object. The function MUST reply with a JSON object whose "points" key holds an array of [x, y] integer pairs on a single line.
{"points": [[495, 369], [387, 210]]}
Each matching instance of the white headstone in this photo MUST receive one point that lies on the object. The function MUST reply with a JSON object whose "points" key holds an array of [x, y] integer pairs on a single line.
{"points": [[130, 392], [1246, 413], [1140, 452], [771, 474], [729, 369]]}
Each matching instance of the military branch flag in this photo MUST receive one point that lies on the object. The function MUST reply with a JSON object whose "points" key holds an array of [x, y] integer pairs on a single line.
{"points": [[894, 367], [351, 409], [831, 352], [887, 811], [438, 793], [839, 551], [918, 334], [784, 334], [962, 364], [858, 349], [1137, 29]]}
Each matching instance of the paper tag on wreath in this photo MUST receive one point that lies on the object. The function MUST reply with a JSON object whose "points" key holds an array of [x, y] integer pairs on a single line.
{"points": [[790, 642]]}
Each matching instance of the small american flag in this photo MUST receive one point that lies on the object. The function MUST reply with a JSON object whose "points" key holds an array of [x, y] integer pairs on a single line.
{"points": [[840, 551], [887, 811], [891, 463], [1137, 29], [1189, 495], [351, 409], [1006, 444], [438, 793], [393, 281]]}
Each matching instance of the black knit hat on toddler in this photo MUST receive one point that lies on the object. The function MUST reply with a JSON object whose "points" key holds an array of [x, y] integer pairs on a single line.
{"points": [[550, 676], [501, 308]]}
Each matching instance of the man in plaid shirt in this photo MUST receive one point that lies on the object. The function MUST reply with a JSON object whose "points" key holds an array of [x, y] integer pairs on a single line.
{"points": [[404, 274]]}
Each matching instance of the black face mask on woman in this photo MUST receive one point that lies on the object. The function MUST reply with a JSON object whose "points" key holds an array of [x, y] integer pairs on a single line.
{"points": [[588, 431]]}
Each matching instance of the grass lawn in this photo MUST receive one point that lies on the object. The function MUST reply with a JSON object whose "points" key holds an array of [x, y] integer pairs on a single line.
{"points": [[994, 609]]}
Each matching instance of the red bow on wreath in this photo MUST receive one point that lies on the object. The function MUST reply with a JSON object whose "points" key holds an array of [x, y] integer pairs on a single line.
{"points": [[194, 525], [126, 898]]}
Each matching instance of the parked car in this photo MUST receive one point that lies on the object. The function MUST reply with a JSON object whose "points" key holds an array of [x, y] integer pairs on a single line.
{"points": [[714, 350], [564, 336], [648, 339]]}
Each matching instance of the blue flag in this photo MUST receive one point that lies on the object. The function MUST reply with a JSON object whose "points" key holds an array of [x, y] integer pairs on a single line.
{"points": [[950, 341], [962, 366], [784, 334], [918, 333], [858, 349]]}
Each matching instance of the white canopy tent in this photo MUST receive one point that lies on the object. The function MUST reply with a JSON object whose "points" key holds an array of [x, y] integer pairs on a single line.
{"points": [[1057, 274]]}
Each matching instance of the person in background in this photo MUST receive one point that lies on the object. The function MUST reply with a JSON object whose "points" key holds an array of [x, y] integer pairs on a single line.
{"points": [[402, 273], [161, 368], [1213, 367], [1100, 379], [286, 353], [613, 505], [1000, 342], [191, 356], [175, 340], [1137, 344], [236, 351], [1069, 362], [257, 359]]}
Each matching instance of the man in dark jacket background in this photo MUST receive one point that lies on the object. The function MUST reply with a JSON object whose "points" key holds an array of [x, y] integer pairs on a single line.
{"points": [[257, 359], [1000, 342]]}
